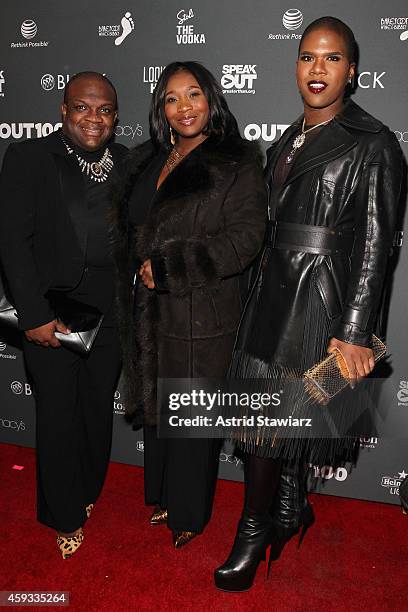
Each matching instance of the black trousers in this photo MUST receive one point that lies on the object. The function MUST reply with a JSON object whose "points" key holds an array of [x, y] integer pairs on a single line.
{"points": [[74, 400], [180, 475]]}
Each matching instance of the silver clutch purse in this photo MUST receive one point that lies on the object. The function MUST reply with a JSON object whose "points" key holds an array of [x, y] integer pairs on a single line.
{"points": [[83, 320]]}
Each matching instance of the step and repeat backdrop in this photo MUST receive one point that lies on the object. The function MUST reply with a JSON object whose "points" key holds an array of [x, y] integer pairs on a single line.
{"points": [[251, 48]]}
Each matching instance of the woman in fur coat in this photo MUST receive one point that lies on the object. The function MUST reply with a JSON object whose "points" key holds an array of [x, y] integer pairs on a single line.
{"points": [[190, 218]]}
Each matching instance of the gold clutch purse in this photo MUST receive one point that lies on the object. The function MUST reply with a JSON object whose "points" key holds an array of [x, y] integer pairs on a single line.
{"points": [[326, 379]]}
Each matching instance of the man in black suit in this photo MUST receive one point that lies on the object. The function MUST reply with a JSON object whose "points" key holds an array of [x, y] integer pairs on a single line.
{"points": [[54, 236]]}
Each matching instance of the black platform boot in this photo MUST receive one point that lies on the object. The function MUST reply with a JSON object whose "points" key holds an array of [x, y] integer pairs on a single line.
{"points": [[403, 492], [292, 512], [249, 549]]}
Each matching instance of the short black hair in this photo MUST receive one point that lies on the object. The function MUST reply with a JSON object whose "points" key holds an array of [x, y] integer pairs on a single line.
{"points": [[89, 74], [338, 26], [221, 122]]}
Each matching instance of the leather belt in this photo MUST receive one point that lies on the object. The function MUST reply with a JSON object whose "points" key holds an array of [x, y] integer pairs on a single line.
{"points": [[314, 239]]}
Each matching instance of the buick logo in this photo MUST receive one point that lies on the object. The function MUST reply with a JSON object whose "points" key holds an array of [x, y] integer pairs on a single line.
{"points": [[140, 446], [292, 19], [47, 82], [16, 387], [28, 28]]}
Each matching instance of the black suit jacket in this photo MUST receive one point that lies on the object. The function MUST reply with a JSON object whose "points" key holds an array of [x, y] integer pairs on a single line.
{"points": [[43, 230]]}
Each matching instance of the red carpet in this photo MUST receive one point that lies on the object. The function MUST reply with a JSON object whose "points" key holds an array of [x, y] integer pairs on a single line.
{"points": [[353, 558]]}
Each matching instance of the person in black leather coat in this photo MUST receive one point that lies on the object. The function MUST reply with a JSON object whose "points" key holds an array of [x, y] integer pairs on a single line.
{"points": [[334, 179]]}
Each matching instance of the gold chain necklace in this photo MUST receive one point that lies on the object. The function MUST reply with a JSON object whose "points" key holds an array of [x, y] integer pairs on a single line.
{"points": [[300, 139], [173, 159]]}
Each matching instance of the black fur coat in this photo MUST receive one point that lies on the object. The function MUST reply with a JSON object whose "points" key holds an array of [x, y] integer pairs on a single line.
{"points": [[205, 227]]}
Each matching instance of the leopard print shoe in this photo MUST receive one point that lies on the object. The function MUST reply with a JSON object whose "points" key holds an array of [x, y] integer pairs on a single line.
{"points": [[159, 516], [181, 538], [88, 510], [68, 545]]}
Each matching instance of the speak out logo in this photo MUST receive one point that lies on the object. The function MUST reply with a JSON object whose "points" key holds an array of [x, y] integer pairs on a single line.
{"points": [[2, 81], [238, 78], [402, 393]]}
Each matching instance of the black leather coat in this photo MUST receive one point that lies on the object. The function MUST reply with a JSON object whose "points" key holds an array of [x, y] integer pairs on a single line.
{"points": [[348, 178]]}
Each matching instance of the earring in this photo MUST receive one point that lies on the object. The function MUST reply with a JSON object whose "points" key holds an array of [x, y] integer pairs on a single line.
{"points": [[172, 137]]}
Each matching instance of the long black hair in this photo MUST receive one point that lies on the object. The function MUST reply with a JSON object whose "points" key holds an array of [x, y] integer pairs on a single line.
{"points": [[221, 122]]}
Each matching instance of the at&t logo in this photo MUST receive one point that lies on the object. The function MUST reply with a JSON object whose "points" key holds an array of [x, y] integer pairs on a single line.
{"points": [[19, 388], [29, 31], [29, 28], [48, 81], [267, 131], [4, 355], [402, 394], [238, 78], [292, 19]]}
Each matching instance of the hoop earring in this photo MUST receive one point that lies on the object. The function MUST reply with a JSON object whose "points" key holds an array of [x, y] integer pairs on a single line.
{"points": [[172, 137]]}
